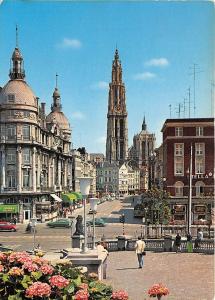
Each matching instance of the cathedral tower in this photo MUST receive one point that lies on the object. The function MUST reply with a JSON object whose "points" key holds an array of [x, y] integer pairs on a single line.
{"points": [[117, 128]]}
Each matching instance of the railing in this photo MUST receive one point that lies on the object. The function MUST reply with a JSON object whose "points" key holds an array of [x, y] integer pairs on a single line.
{"points": [[158, 245]]}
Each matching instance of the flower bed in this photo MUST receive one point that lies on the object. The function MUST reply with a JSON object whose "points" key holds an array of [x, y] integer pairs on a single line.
{"points": [[23, 276]]}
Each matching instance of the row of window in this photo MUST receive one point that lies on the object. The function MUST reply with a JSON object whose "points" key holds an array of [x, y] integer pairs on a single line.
{"points": [[179, 149], [179, 187], [199, 131], [11, 132], [179, 166]]}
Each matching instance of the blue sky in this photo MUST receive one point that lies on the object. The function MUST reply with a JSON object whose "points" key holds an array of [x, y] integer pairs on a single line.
{"points": [[158, 44]]}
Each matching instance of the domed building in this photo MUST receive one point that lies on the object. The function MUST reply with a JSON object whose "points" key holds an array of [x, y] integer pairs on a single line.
{"points": [[35, 150]]}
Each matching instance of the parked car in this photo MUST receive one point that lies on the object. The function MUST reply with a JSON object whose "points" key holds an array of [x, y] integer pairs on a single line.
{"points": [[98, 222], [7, 226], [91, 212], [60, 223]]}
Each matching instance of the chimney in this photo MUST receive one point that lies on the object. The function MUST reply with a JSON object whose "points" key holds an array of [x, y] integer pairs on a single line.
{"points": [[43, 109]]}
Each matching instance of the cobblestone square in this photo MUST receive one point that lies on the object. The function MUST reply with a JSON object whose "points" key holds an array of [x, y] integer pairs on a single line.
{"points": [[187, 276]]}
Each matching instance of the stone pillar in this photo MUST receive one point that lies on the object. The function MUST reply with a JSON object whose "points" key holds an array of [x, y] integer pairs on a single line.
{"points": [[65, 174], [53, 173], [19, 169], [49, 172], [38, 170], [3, 168], [59, 173], [34, 170]]}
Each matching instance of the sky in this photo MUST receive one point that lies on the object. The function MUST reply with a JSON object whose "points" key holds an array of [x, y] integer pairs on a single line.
{"points": [[158, 43]]}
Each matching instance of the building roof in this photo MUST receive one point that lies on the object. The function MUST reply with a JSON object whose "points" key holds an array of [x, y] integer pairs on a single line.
{"points": [[59, 118], [186, 121], [22, 92]]}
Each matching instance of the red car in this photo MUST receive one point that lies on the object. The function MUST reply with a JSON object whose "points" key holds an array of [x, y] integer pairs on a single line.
{"points": [[7, 226]]}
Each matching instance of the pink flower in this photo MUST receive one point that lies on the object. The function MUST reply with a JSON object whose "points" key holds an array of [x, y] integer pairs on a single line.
{"points": [[38, 289], [38, 260], [59, 281], [21, 257], [46, 269], [158, 289], [15, 271], [81, 295], [1, 268], [83, 286], [30, 267], [119, 295]]}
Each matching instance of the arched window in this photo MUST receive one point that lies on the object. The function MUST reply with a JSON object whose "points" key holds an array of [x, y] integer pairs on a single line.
{"points": [[179, 188], [199, 188]]}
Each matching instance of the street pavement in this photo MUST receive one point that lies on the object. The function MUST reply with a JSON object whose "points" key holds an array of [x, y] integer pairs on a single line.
{"points": [[58, 238], [188, 276]]}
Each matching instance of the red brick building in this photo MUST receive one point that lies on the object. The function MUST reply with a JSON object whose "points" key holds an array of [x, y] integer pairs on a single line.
{"points": [[178, 136]]}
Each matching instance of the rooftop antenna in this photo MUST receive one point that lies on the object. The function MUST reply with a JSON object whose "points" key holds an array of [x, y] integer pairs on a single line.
{"points": [[194, 72], [170, 111], [184, 106], [56, 80], [189, 102], [179, 110], [17, 36]]}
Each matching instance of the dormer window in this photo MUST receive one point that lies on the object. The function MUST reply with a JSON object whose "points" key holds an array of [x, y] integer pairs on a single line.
{"points": [[11, 98]]}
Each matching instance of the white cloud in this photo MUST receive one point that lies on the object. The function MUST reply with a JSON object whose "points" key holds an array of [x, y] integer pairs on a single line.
{"points": [[157, 62], [101, 140], [144, 76], [100, 85], [70, 43], [77, 115]]}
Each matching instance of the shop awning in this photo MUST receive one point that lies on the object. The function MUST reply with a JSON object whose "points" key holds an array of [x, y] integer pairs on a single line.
{"points": [[9, 208], [57, 199], [70, 197]]}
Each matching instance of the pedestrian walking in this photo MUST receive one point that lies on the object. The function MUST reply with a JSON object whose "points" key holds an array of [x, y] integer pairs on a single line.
{"points": [[139, 248], [189, 243], [199, 237], [177, 243], [14, 219]]}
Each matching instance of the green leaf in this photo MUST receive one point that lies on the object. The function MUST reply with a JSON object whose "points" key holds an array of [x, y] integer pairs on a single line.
{"points": [[70, 288], [5, 277], [14, 297], [37, 275], [77, 281]]}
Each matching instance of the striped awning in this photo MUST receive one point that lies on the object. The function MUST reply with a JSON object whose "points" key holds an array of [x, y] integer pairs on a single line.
{"points": [[57, 199]]}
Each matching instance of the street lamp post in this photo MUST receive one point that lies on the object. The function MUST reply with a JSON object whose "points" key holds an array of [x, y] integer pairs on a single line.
{"points": [[84, 189], [93, 206], [34, 223]]}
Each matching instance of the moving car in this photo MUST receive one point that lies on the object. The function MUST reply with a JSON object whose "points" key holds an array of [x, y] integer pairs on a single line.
{"points": [[7, 226], [60, 223], [98, 222]]}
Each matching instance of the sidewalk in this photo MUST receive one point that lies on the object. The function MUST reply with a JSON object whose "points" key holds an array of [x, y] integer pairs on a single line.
{"points": [[188, 276]]}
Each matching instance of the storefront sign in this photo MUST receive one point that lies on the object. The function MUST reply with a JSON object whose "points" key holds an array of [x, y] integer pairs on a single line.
{"points": [[9, 208]]}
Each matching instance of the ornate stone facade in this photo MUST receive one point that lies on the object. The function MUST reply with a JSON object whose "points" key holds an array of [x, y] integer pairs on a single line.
{"points": [[117, 128], [35, 155]]}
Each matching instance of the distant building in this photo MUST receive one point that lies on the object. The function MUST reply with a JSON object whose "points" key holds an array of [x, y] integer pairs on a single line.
{"points": [[117, 127], [178, 136], [141, 154], [97, 157]]}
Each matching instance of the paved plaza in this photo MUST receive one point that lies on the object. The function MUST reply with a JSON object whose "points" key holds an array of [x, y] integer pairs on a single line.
{"points": [[188, 276]]}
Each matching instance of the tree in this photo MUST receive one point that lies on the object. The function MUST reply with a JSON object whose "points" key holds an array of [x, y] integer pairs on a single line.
{"points": [[156, 202]]}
